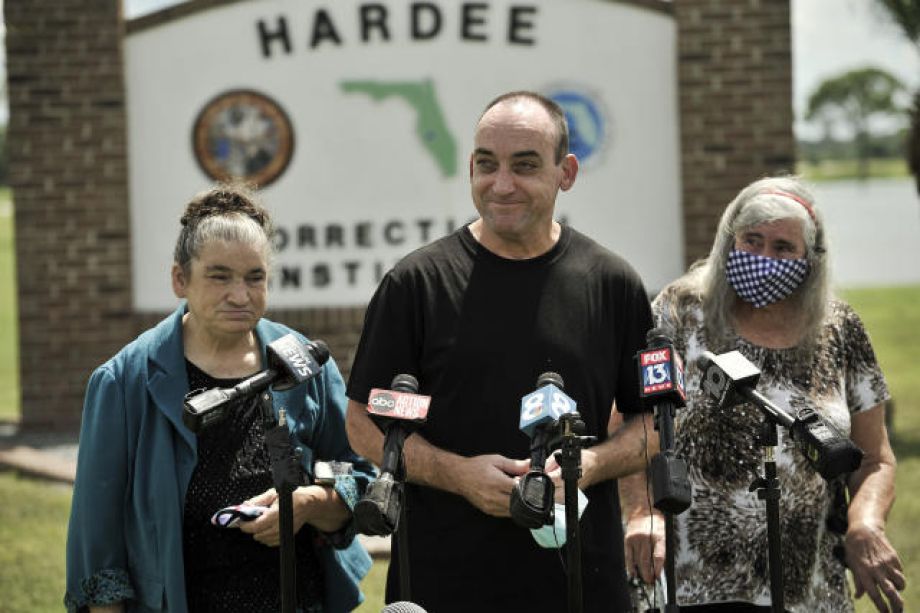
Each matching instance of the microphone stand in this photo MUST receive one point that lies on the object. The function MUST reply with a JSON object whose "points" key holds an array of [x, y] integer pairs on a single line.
{"points": [[767, 488], [402, 537], [286, 475], [664, 423], [569, 458]]}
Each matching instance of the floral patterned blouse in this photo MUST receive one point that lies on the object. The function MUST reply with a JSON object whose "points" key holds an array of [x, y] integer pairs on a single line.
{"points": [[722, 538]]}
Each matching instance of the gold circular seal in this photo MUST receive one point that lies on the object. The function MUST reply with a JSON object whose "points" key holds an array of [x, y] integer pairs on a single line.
{"points": [[242, 134]]}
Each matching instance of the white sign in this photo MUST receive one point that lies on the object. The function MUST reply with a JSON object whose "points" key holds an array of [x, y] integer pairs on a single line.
{"points": [[360, 115]]}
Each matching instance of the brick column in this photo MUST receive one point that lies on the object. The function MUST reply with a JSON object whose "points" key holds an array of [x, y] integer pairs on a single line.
{"points": [[735, 87], [68, 171]]}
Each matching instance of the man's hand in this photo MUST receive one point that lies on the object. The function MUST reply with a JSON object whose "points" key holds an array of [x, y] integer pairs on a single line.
{"points": [[643, 545], [589, 465], [486, 482], [876, 567]]}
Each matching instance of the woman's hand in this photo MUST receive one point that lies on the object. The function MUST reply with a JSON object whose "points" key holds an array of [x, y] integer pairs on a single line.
{"points": [[644, 546], [873, 561], [313, 504], [876, 567]]}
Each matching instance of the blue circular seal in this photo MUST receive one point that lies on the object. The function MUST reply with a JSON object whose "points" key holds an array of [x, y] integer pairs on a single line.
{"points": [[586, 122]]}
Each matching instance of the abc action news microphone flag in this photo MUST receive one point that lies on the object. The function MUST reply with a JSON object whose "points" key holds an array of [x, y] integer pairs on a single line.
{"points": [[397, 412], [393, 404]]}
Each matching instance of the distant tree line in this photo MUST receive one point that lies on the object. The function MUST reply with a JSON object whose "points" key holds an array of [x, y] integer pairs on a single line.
{"points": [[883, 146], [870, 105]]}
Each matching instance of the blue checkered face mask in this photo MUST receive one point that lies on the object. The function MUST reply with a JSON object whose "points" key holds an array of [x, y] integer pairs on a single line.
{"points": [[762, 280]]}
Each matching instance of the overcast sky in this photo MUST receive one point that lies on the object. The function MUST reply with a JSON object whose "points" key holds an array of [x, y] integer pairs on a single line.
{"points": [[829, 37]]}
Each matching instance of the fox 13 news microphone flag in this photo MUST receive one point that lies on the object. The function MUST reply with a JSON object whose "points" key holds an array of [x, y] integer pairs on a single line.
{"points": [[397, 412], [290, 363], [730, 378], [661, 387], [532, 496]]}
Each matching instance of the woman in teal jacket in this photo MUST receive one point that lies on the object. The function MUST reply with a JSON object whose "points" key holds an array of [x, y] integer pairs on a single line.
{"points": [[139, 536]]}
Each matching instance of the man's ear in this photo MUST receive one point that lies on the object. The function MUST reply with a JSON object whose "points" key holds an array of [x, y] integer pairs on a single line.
{"points": [[569, 172], [179, 282]]}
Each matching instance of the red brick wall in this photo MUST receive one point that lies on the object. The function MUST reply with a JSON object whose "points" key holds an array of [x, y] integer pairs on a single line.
{"points": [[735, 87], [66, 147]]}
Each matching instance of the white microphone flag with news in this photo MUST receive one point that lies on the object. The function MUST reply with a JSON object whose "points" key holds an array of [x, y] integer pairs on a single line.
{"points": [[398, 405]]}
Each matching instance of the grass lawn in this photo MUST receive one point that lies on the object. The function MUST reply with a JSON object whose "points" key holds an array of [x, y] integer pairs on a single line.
{"points": [[892, 317], [834, 170], [9, 337]]}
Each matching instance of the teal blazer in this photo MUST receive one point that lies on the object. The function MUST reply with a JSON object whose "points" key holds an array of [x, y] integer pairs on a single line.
{"points": [[136, 459]]}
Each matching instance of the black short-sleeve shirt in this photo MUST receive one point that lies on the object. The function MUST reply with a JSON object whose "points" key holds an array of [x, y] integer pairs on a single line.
{"points": [[477, 330]]}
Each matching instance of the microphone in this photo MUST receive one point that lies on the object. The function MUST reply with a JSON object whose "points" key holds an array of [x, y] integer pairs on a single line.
{"points": [[730, 378], [532, 496], [402, 607], [397, 411], [661, 386], [290, 363]]}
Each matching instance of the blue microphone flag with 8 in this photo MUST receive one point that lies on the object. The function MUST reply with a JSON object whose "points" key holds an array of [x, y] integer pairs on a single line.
{"points": [[543, 406]]}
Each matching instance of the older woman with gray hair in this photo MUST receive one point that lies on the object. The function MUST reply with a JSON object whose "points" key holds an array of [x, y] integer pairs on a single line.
{"points": [[764, 291], [145, 533]]}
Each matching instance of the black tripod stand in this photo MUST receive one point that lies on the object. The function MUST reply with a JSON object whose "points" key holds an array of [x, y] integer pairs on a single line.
{"points": [[569, 458], [767, 488], [287, 475], [671, 489]]}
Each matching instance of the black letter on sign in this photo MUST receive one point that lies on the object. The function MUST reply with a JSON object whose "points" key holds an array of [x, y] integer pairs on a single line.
{"points": [[323, 28], [517, 23], [281, 34], [290, 276], [306, 236], [321, 277], [417, 9], [280, 239], [374, 16], [469, 20], [352, 268], [335, 235], [424, 225], [390, 236], [363, 234]]}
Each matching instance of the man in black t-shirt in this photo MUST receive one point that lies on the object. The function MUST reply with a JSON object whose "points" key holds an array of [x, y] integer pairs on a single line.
{"points": [[476, 317]]}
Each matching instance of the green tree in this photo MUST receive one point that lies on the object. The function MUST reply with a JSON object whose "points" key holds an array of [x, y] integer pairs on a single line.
{"points": [[853, 99], [906, 15]]}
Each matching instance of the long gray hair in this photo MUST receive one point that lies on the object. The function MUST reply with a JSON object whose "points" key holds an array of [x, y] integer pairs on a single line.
{"points": [[763, 201]]}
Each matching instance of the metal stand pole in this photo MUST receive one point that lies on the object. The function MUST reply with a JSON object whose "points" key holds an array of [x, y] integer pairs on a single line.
{"points": [[669, 476], [767, 488], [569, 458], [286, 477], [402, 535]]}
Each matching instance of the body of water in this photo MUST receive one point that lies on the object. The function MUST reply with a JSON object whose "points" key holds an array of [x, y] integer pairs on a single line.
{"points": [[873, 229]]}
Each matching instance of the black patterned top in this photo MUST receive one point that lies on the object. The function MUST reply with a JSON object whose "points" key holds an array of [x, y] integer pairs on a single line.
{"points": [[226, 570], [722, 539]]}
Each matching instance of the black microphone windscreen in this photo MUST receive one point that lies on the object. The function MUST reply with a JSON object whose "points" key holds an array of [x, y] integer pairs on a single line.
{"points": [[657, 337], [550, 377], [320, 351], [402, 607], [404, 383]]}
